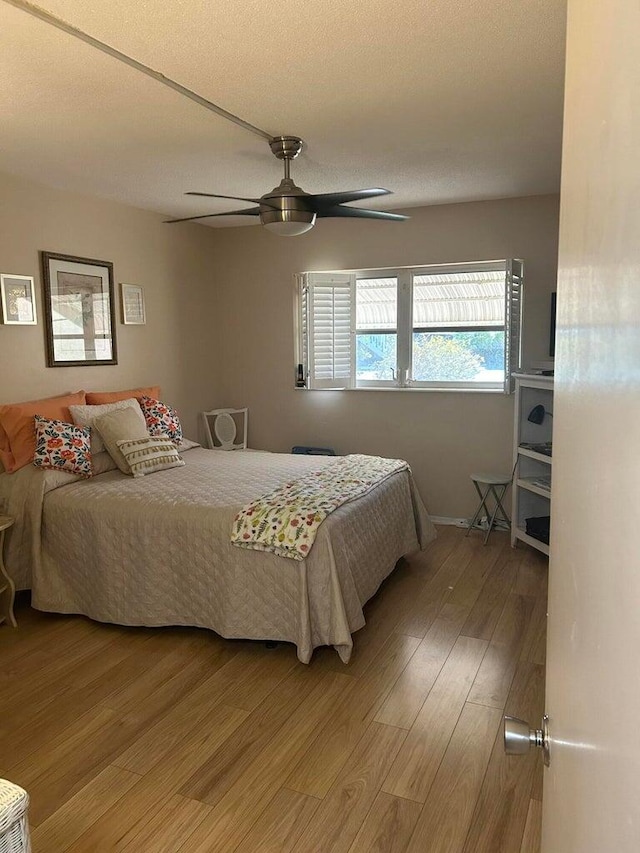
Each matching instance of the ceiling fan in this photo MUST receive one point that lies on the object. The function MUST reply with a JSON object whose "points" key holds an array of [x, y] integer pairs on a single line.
{"points": [[286, 210]]}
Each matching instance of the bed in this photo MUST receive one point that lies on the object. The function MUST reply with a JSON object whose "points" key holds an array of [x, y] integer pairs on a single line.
{"points": [[156, 550]]}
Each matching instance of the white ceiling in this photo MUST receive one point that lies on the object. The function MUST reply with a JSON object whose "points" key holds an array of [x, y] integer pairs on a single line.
{"points": [[437, 100]]}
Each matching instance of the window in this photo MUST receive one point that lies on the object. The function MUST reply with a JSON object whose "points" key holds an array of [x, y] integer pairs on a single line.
{"points": [[450, 327]]}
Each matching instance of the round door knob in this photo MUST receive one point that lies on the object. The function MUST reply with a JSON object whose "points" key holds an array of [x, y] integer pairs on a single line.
{"points": [[519, 737]]}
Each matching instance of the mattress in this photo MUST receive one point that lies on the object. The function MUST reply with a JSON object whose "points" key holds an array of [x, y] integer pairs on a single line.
{"points": [[156, 550]]}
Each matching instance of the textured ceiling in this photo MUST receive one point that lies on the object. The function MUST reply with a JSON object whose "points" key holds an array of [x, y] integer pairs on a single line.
{"points": [[436, 100]]}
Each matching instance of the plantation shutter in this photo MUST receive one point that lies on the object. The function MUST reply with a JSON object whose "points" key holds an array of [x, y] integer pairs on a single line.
{"points": [[302, 328], [330, 301], [513, 322]]}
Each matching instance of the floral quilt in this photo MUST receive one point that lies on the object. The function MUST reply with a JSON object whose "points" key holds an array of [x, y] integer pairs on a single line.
{"points": [[286, 520]]}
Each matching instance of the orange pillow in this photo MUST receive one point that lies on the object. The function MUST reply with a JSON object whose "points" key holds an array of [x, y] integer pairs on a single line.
{"points": [[97, 398], [17, 426]]}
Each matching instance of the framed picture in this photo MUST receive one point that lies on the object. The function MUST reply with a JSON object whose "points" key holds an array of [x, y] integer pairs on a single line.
{"points": [[132, 298], [79, 311], [18, 300]]}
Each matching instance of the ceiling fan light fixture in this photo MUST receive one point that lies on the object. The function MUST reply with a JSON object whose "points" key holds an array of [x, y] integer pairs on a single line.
{"points": [[288, 223]]}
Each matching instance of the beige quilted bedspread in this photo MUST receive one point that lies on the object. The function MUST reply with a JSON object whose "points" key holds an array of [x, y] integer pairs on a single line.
{"points": [[156, 550]]}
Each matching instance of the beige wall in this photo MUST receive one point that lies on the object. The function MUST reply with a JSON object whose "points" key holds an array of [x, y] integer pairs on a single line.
{"points": [[444, 435], [220, 323], [176, 348]]}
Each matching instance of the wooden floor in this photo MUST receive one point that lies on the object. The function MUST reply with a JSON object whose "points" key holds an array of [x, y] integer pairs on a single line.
{"points": [[170, 740]]}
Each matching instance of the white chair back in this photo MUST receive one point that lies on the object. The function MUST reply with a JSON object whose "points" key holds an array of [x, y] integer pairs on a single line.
{"points": [[226, 429]]}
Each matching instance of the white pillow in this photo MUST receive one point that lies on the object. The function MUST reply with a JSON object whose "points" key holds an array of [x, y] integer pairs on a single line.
{"points": [[121, 425], [86, 415], [148, 455]]}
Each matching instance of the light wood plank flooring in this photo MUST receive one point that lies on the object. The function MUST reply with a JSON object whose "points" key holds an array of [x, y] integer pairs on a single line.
{"points": [[177, 741]]}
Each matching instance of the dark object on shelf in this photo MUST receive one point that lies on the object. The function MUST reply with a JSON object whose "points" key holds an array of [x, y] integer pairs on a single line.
{"points": [[300, 381], [538, 527], [313, 451], [536, 415]]}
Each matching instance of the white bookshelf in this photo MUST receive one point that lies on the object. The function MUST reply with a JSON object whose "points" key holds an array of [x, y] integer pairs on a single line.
{"points": [[531, 493]]}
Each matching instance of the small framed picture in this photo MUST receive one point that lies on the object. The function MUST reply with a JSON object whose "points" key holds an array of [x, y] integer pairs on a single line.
{"points": [[18, 300], [132, 298]]}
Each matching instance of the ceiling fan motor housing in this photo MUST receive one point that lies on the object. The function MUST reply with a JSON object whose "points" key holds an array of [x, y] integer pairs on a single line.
{"points": [[286, 147], [287, 209]]}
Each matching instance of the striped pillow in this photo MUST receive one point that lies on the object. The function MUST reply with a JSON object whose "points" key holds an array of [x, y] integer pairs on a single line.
{"points": [[148, 455]]}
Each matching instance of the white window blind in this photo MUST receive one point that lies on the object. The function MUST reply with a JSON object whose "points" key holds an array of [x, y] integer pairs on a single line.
{"points": [[514, 297], [330, 298]]}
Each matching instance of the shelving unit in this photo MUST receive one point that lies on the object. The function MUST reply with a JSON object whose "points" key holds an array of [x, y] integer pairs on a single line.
{"points": [[531, 493]]}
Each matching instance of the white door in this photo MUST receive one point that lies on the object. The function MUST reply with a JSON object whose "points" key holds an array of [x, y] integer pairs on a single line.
{"points": [[592, 788]]}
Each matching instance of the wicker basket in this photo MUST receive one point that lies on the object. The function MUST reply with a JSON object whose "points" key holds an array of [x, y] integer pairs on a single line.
{"points": [[14, 829]]}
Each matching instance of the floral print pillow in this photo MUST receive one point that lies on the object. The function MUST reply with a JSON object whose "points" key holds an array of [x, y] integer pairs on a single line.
{"points": [[63, 446], [162, 420]]}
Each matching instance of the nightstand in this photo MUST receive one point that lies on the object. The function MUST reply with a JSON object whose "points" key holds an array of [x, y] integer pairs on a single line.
{"points": [[7, 586]]}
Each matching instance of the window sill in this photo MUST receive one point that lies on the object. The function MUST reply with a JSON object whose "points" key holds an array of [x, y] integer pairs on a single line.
{"points": [[408, 389]]}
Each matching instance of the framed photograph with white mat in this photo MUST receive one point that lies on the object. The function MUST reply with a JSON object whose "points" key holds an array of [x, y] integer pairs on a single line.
{"points": [[132, 299], [18, 300], [79, 311]]}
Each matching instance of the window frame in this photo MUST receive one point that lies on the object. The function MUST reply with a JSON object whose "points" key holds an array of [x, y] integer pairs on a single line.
{"points": [[513, 270]]}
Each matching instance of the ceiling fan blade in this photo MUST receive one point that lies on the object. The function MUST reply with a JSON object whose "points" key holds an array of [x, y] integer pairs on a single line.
{"points": [[249, 211], [359, 213], [329, 199], [232, 197]]}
